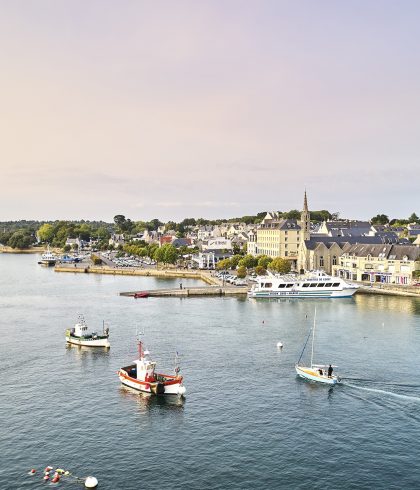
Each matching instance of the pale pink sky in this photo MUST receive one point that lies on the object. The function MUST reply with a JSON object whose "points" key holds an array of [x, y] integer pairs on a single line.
{"points": [[208, 108]]}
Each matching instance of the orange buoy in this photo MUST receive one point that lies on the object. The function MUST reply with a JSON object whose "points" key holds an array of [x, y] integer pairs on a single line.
{"points": [[32, 472], [56, 478], [46, 477]]}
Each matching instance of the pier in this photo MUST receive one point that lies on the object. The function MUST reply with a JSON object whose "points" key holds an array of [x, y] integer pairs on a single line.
{"points": [[191, 291]]}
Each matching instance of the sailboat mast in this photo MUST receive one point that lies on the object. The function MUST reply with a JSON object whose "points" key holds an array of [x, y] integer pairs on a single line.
{"points": [[313, 338]]}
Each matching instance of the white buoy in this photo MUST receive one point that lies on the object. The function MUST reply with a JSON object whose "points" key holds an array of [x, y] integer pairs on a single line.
{"points": [[91, 482], [279, 345]]}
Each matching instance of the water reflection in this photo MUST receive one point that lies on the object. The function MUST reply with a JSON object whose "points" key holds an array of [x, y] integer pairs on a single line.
{"points": [[82, 352], [147, 403], [387, 302]]}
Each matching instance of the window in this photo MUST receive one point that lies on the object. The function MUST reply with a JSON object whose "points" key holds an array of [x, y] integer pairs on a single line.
{"points": [[334, 260], [321, 261], [328, 285], [267, 285], [335, 285], [313, 285], [285, 254], [320, 285], [282, 285], [305, 285], [289, 285]]}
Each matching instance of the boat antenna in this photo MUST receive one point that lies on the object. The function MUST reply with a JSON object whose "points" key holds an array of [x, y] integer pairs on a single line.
{"points": [[313, 338], [139, 343]]}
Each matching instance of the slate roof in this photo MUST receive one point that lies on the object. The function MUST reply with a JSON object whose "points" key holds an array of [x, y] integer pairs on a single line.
{"points": [[328, 241], [390, 252]]}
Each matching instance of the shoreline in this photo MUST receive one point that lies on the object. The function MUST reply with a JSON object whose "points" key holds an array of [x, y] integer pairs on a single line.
{"points": [[410, 292]]}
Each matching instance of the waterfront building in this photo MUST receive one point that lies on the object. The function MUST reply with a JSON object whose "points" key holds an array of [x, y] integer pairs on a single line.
{"points": [[390, 264], [324, 252]]}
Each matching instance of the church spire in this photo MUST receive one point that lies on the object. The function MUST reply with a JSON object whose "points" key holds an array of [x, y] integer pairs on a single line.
{"points": [[305, 219]]}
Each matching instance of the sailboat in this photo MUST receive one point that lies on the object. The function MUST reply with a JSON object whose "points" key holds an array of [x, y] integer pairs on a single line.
{"points": [[316, 372]]}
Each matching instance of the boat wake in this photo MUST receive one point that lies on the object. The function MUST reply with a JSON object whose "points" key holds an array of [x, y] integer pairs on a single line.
{"points": [[383, 392]]}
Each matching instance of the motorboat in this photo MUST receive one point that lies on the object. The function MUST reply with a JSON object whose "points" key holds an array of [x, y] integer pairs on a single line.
{"points": [[315, 284], [48, 258], [141, 376], [79, 335]]}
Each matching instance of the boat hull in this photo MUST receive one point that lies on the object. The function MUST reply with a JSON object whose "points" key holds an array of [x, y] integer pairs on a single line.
{"points": [[347, 293], [99, 342], [172, 386], [313, 375]]}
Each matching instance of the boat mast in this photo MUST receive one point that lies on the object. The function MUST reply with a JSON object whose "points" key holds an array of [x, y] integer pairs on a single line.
{"points": [[313, 338]]}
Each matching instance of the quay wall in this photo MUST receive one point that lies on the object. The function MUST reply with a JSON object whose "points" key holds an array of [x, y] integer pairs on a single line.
{"points": [[388, 289], [163, 273]]}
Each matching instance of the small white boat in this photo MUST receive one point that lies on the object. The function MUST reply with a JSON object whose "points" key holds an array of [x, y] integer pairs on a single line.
{"points": [[315, 284], [321, 373], [79, 335], [141, 376], [48, 258]]}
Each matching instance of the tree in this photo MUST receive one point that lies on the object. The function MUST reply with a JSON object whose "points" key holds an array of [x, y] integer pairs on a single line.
{"points": [[264, 261], [380, 219], [167, 254], [224, 264], [234, 261], [260, 270], [20, 239], [413, 218], [293, 214], [119, 220], [46, 232], [248, 261], [241, 272], [280, 265]]}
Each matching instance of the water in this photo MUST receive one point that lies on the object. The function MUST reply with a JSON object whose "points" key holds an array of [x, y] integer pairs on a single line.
{"points": [[247, 421]]}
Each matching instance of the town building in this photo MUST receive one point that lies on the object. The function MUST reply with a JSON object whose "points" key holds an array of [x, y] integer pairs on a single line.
{"points": [[322, 253], [390, 264], [278, 237]]}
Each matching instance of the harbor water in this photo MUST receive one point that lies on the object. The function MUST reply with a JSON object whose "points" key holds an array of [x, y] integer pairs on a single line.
{"points": [[247, 421]]}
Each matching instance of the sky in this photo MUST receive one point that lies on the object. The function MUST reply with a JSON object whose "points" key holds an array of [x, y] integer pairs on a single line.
{"points": [[175, 109]]}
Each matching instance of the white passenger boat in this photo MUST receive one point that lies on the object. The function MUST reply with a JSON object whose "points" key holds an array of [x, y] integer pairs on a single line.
{"points": [[321, 373], [141, 376], [48, 258], [315, 284], [79, 335]]}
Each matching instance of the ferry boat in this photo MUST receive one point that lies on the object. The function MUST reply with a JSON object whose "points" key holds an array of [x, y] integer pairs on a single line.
{"points": [[315, 284], [48, 258], [79, 335], [141, 376]]}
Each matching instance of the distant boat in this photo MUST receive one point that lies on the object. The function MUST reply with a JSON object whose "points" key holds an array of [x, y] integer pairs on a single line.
{"points": [[65, 259], [79, 335], [315, 372], [315, 284], [48, 258], [141, 376]]}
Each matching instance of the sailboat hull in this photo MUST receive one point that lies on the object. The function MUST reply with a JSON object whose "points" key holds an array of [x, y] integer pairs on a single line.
{"points": [[314, 375]]}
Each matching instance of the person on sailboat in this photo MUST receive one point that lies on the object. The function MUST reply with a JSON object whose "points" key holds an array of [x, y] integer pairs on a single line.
{"points": [[330, 371]]}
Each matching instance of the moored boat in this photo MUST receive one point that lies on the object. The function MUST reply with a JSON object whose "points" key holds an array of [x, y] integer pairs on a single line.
{"points": [[79, 335], [141, 376], [315, 284], [48, 258]]}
